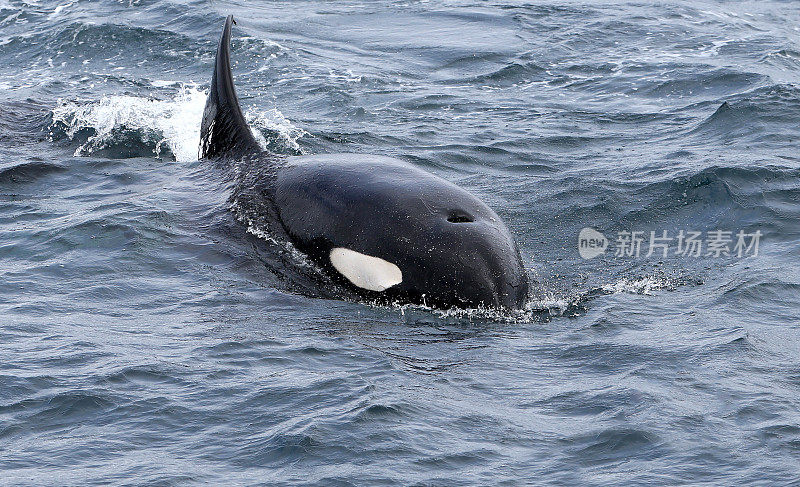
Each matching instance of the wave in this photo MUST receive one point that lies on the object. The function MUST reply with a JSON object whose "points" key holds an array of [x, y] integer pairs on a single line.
{"points": [[509, 75], [28, 172], [723, 197], [726, 197], [543, 306], [763, 115], [716, 82], [162, 126], [123, 126]]}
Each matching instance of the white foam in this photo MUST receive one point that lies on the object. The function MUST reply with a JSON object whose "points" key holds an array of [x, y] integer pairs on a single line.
{"points": [[555, 305], [175, 121], [60, 8], [645, 285], [171, 123], [162, 83], [273, 120], [347, 76]]}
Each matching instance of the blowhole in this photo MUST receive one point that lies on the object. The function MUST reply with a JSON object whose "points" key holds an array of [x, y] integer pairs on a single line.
{"points": [[460, 217]]}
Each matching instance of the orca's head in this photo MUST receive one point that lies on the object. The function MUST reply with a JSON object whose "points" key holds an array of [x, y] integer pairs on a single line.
{"points": [[396, 232], [439, 246]]}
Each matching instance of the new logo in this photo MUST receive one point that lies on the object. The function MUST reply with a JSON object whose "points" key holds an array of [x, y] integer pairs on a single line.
{"points": [[591, 243]]}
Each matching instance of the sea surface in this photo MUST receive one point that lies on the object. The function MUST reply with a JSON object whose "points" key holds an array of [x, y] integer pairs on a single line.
{"points": [[149, 334]]}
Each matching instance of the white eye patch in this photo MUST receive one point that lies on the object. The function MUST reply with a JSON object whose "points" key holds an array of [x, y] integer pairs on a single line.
{"points": [[364, 271]]}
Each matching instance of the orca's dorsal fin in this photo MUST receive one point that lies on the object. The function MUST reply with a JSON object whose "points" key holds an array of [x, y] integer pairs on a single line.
{"points": [[224, 131]]}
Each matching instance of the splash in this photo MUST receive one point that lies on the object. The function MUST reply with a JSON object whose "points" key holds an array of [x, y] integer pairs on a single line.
{"points": [[167, 128], [280, 131], [162, 125], [645, 285], [548, 305], [61, 8]]}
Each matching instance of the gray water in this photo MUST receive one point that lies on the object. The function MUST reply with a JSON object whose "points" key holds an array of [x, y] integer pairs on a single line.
{"points": [[150, 336]]}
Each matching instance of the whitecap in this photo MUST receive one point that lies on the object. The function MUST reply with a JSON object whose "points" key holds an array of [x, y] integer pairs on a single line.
{"points": [[175, 122]]}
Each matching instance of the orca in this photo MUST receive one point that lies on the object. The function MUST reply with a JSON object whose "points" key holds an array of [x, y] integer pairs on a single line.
{"points": [[379, 226]]}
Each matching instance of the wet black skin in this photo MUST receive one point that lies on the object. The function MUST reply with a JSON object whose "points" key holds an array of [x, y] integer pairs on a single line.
{"points": [[451, 248]]}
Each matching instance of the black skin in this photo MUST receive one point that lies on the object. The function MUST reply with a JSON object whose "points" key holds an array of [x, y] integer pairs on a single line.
{"points": [[452, 249]]}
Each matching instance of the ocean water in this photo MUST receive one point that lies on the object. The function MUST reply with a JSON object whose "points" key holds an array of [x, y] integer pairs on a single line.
{"points": [[149, 334]]}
